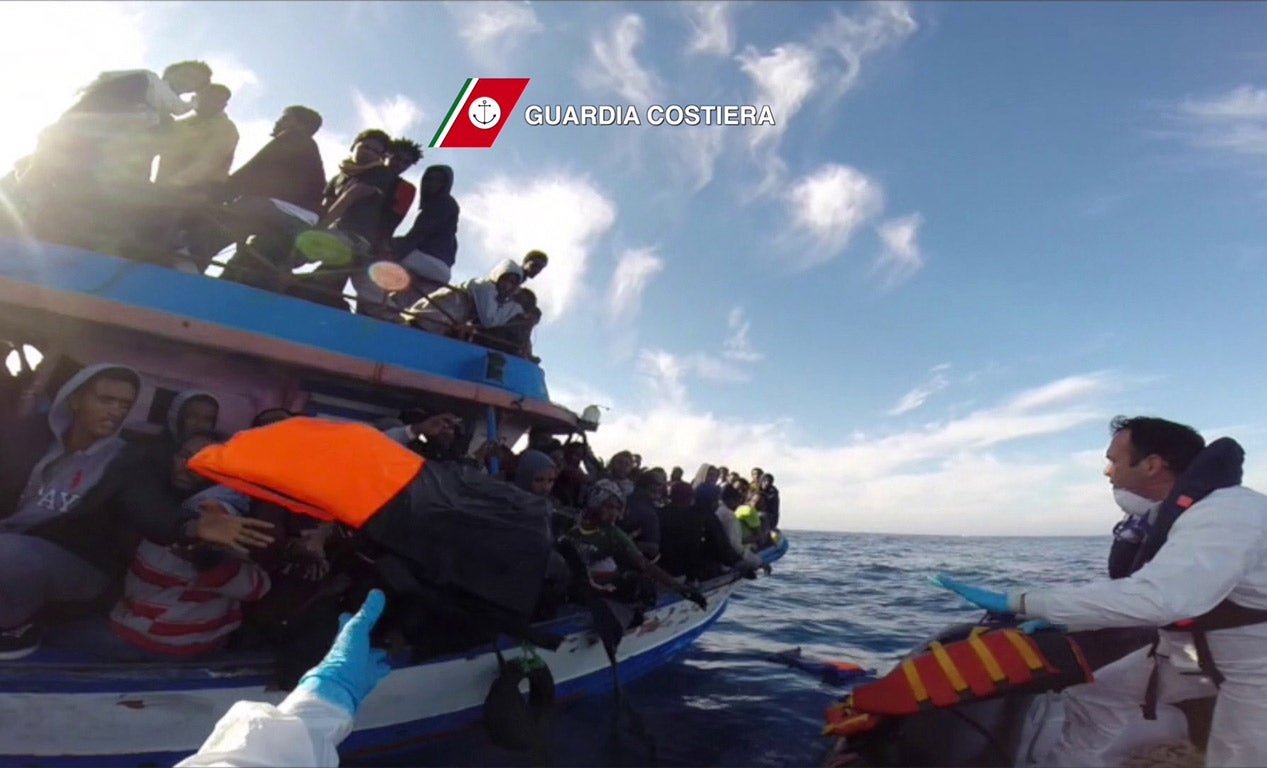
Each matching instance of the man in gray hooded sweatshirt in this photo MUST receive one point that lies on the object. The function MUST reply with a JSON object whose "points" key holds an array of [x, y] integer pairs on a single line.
{"points": [[71, 499]]}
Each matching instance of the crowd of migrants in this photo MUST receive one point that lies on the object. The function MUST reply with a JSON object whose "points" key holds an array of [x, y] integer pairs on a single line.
{"points": [[93, 182], [111, 546]]}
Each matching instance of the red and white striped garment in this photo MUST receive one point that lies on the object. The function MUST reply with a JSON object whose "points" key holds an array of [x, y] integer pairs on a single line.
{"points": [[171, 607]]}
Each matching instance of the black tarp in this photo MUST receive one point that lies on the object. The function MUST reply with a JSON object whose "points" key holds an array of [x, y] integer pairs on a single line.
{"points": [[457, 527]]}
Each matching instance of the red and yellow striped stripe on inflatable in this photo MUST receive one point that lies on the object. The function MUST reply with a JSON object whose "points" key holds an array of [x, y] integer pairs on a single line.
{"points": [[986, 664]]}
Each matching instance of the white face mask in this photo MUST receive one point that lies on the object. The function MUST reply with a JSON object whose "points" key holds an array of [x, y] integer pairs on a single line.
{"points": [[1132, 503]]}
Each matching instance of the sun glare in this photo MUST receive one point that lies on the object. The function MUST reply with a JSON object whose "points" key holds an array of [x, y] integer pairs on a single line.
{"points": [[52, 50]]}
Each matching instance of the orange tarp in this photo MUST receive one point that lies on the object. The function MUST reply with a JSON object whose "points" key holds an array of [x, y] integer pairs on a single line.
{"points": [[328, 470]]}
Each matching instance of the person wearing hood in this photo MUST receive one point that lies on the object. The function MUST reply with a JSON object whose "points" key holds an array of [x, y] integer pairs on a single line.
{"points": [[640, 519], [194, 410], [429, 249], [1201, 576], [68, 506], [478, 305], [536, 473], [707, 491], [692, 541]]}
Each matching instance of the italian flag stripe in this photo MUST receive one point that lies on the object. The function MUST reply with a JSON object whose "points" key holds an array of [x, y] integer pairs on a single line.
{"points": [[453, 110]]}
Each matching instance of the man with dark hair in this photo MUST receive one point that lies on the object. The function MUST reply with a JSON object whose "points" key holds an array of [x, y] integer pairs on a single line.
{"points": [[198, 151], [534, 261], [275, 196], [402, 154], [70, 504], [1201, 576], [351, 210]]}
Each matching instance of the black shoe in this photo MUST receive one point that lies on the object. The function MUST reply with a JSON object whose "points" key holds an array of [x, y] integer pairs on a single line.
{"points": [[19, 642]]}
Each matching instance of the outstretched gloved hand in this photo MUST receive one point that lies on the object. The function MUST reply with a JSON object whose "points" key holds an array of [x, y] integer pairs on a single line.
{"points": [[351, 668], [995, 602], [1034, 625]]}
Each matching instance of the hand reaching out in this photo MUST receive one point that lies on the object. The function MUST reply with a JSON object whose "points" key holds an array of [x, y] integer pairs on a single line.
{"points": [[214, 525]]}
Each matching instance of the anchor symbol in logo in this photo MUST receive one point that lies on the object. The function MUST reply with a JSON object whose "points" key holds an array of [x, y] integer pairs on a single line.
{"points": [[485, 113]]}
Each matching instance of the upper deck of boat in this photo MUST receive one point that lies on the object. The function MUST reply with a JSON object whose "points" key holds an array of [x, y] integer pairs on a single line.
{"points": [[50, 290]]}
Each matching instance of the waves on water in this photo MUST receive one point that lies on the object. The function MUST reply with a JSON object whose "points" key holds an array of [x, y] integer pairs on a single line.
{"points": [[863, 598]]}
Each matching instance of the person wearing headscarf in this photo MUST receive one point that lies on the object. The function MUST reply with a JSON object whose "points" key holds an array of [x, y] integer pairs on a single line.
{"points": [[608, 553]]}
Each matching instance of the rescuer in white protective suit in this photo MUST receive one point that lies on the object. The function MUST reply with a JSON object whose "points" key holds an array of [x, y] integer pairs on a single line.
{"points": [[307, 727], [1211, 566]]}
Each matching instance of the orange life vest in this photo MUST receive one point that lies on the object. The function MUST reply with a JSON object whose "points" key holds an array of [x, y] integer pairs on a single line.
{"points": [[988, 663], [329, 470]]}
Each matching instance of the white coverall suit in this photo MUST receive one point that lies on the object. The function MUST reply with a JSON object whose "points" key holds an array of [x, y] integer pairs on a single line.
{"points": [[303, 730], [1217, 549]]}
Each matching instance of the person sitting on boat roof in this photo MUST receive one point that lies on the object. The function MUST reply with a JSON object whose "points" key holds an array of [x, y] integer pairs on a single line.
{"points": [[402, 154], [179, 600], [197, 151], [473, 310], [68, 495], [111, 134], [429, 249], [692, 541], [371, 299], [534, 262], [640, 520], [275, 196], [516, 334], [352, 206], [608, 553]]}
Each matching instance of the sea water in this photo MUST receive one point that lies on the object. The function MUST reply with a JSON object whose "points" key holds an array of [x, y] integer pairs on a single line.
{"points": [[862, 598]]}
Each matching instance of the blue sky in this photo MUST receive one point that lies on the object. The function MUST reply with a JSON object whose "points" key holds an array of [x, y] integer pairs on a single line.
{"points": [[977, 232]]}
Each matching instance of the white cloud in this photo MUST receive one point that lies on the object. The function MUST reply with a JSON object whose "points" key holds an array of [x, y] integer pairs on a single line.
{"points": [[1234, 122], [784, 79], [634, 270], [737, 346], [852, 38], [969, 475], [50, 51], [560, 214], [919, 395], [667, 374], [712, 32], [396, 114], [614, 66], [492, 30], [829, 205], [901, 257], [228, 70], [698, 151], [1244, 102]]}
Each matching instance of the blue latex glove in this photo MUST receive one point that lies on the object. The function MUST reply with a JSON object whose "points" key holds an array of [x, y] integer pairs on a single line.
{"points": [[1033, 625], [994, 602], [351, 667]]}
